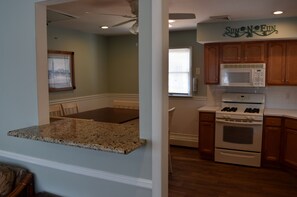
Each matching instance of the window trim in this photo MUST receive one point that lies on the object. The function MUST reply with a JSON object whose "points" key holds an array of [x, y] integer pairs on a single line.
{"points": [[190, 71]]}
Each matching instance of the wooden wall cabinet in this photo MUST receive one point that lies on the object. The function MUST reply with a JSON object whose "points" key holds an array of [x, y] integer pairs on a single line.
{"points": [[206, 135], [231, 52], [289, 155], [243, 52], [211, 63], [271, 145], [282, 63]]}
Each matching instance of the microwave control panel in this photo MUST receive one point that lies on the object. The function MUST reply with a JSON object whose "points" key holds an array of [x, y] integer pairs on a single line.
{"points": [[259, 77]]}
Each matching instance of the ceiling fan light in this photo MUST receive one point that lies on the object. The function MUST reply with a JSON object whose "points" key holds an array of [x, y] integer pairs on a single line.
{"points": [[278, 12], [134, 28], [104, 27]]}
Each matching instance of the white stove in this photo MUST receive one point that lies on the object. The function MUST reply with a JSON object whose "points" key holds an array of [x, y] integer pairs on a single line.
{"points": [[238, 136]]}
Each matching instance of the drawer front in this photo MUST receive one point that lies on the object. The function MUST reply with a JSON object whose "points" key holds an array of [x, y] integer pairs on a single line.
{"points": [[206, 116], [291, 123], [273, 121]]}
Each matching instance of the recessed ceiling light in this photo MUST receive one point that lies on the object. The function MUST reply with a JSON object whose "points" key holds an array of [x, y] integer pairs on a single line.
{"points": [[171, 21], [104, 27], [278, 12]]}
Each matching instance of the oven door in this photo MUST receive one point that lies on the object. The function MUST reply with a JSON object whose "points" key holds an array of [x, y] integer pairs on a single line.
{"points": [[238, 135]]}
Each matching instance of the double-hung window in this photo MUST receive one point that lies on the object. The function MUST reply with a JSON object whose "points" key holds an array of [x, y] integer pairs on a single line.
{"points": [[179, 76]]}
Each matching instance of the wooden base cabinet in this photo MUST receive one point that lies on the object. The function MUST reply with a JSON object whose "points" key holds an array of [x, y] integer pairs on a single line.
{"points": [[271, 145], [290, 143], [206, 135]]}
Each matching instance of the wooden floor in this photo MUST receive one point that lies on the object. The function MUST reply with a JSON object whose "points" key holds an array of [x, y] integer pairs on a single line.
{"points": [[195, 177]]}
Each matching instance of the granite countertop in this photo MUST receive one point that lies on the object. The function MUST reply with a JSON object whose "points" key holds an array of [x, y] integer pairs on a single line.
{"points": [[208, 109], [288, 113], [118, 138]]}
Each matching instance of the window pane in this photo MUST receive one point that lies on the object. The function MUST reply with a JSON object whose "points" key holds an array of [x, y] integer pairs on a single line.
{"points": [[179, 83], [179, 71], [179, 60]]}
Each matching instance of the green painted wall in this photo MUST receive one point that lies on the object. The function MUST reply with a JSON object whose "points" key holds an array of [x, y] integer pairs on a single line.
{"points": [[213, 32], [122, 61], [89, 60], [109, 64]]}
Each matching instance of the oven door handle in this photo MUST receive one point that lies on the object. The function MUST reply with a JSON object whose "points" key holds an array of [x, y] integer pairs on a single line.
{"points": [[237, 155], [239, 123]]}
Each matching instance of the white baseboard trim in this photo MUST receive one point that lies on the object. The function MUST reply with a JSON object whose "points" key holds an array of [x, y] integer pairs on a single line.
{"points": [[138, 182], [182, 139]]}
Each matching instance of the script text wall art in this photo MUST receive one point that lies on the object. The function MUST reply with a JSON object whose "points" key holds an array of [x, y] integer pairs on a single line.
{"points": [[249, 31]]}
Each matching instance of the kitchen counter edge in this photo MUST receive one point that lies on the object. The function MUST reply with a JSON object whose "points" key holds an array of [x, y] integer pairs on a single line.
{"points": [[109, 137], [208, 109], [287, 113]]}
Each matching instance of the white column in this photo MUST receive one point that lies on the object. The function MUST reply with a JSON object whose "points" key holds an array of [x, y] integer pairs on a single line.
{"points": [[153, 76]]}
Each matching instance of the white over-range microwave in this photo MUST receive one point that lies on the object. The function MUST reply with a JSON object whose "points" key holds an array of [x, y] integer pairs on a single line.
{"points": [[243, 75]]}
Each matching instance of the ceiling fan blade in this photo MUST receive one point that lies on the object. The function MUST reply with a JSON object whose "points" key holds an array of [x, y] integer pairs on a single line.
{"points": [[181, 16], [125, 22], [125, 16], [55, 16]]}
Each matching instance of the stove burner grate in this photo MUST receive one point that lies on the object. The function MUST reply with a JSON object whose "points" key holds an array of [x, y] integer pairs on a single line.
{"points": [[252, 110], [229, 109]]}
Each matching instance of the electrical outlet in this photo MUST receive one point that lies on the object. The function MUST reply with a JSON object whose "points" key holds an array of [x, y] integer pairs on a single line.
{"points": [[197, 71]]}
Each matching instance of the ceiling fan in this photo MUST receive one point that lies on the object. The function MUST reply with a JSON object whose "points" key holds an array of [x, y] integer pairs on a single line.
{"points": [[55, 15], [134, 10]]}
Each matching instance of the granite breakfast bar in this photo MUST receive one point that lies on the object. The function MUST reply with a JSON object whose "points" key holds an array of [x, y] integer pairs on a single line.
{"points": [[112, 137]]}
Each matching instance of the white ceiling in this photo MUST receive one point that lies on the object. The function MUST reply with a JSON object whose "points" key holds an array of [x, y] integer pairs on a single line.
{"points": [[91, 14]]}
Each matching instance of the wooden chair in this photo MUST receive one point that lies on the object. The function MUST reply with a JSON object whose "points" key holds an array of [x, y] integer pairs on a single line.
{"points": [[170, 115], [124, 104], [55, 110], [70, 108]]}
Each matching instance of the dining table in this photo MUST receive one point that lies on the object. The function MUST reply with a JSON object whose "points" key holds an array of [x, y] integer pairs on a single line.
{"points": [[108, 114]]}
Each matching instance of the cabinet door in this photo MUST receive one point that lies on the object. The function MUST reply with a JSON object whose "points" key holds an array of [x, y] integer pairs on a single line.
{"points": [[206, 140], [290, 147], [276, 63], [254, 52], [271, 146], [206, 135], [291, 63], [289, 154], [231, 52], [211, 63]]}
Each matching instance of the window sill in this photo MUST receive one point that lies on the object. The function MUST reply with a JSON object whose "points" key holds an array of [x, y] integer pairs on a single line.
{"points": [[180, 95]]}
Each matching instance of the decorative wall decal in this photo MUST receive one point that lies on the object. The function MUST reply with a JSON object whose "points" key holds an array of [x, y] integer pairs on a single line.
{"points": [[249, 31]]}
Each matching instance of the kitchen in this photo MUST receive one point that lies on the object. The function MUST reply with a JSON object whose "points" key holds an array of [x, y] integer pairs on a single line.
{"points": [[203, 100]]}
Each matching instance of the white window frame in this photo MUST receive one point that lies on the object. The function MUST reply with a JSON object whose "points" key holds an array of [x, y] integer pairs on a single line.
{"points": [[190, 93]]}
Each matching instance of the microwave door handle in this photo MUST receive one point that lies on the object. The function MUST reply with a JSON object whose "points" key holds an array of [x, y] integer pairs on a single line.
{"points": [[239, 123]]}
